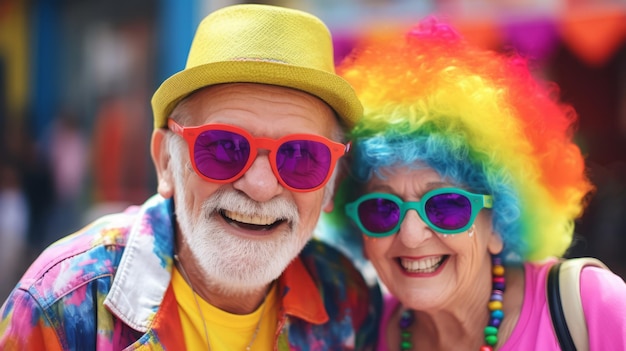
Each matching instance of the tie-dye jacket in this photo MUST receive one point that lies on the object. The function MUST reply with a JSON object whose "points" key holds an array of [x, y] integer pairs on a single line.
{"points": [[107, 287]]}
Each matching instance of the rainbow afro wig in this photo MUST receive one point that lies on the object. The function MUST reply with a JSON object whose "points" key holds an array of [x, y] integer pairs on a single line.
{"points": [[481, 120]]}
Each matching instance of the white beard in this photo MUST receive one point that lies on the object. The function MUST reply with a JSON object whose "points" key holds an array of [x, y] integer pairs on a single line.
{"points": [[233, 264]]}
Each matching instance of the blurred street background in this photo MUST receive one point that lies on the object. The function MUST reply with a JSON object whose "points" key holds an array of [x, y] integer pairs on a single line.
{"points": [[76, 78]]}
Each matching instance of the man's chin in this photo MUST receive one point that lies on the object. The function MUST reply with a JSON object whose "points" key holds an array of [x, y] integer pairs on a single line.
{"points": [[242, 275], [237, 265]]}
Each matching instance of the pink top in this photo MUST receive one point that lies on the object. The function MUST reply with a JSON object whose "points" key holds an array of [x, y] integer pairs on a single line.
{"points": [[603, 294]]}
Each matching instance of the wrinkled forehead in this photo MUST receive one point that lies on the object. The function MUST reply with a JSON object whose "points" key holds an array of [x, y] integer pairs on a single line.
{"points": [[244, 104]]}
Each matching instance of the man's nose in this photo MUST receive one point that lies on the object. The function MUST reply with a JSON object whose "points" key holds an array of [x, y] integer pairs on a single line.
{"points": [[259, 182]]}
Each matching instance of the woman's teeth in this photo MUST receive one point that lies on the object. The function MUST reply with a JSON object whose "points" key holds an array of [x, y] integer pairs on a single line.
{"points": [[424, 265]]}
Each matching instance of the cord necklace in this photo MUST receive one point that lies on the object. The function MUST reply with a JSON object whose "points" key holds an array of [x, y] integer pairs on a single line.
{"points": [[195, 297]]}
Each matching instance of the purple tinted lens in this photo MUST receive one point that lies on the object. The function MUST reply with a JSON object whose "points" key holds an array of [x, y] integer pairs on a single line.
{"points": [[220, 154], [379, 215], [448, 211], [303, 164]]}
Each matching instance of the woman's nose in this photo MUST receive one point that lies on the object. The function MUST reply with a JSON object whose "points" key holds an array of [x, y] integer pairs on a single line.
{"points": [[413, 230]]}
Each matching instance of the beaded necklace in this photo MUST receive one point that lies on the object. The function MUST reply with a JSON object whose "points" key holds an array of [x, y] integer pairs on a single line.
{"points": [[494, 306]]}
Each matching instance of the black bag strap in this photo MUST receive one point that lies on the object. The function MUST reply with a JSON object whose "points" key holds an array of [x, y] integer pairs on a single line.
{"points": [[556, 309], [563, 288]]}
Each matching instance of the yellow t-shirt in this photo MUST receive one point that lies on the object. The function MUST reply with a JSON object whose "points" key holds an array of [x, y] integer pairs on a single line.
{"points": [[226, 331]]}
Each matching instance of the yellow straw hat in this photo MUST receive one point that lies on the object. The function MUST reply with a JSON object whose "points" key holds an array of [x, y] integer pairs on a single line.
{"points": [[260, 44]]}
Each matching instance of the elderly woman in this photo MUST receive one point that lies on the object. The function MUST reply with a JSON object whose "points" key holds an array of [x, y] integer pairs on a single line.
{"points": [[465, 183]]}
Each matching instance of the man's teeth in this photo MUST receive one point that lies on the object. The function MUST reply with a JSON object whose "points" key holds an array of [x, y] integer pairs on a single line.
{"points": [[256, 220], [425, 265]]}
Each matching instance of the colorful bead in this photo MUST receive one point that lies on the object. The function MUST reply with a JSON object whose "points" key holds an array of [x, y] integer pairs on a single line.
{"points": [[406, 319], [495, 322], [498, 286], [494, 305], [486, 348], [491, 339], [498, 270], [497, 297], [490, 330], [497, 314]]}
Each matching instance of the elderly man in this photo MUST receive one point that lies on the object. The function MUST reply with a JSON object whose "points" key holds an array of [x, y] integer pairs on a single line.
{"points": [[245, 145]]}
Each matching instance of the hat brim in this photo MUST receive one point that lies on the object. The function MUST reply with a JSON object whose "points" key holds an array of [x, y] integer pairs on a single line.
{"points": [[331, 88]]}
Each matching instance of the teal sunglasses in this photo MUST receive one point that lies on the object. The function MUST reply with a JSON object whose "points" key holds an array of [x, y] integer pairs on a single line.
{"points": [[445, 210]]}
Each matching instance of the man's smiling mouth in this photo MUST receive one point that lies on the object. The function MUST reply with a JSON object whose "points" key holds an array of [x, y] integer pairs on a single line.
{"points": [[250, 222]]}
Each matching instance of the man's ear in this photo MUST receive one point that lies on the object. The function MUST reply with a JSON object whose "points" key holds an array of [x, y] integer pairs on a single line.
{"points": [[161, 158]]}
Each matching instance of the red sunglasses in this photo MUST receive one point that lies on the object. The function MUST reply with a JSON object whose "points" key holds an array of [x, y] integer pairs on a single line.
{"points": [[222, 153]]}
